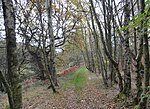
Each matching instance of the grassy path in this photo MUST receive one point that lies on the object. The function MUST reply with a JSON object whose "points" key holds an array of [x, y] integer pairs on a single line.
{"points": [[80, 93], [77, 79]]}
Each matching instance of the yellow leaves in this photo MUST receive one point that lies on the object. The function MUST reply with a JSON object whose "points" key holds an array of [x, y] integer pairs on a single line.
{"points": [[76, 40], [68, 14], [56, 8], [75, 2], [79, 41], [35, 1]]}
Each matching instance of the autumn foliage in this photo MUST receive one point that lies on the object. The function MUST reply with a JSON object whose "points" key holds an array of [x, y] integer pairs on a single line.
{"points": [[67, 71], [28, 83]]}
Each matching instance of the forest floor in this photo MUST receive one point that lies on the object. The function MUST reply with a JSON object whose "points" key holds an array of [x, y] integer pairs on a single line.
{"points": [[80, 90]]}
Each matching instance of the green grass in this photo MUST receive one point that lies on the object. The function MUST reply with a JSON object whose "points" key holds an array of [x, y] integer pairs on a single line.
{"points": [[77, 79]]}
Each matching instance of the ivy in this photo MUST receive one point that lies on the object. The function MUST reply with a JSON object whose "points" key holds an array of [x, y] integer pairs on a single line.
{"points": [[147, 95]]}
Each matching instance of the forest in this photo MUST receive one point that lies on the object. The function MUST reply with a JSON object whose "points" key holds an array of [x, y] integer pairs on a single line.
{"points": [[74, 54]]}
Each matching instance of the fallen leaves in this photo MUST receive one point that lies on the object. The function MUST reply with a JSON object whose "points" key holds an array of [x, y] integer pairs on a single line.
{"points": [[92, 96]]}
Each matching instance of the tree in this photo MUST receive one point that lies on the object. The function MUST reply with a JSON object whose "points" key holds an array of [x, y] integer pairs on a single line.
{"points": [[146, 55], [13, 85], [127, 59], [52, 42], [115, 64]]}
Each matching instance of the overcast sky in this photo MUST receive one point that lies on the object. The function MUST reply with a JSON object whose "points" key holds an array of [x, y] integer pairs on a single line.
{"points": [[2, 31]]}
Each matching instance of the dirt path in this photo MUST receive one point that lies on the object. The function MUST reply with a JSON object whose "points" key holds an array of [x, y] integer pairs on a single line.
{"points": [[92, 96]]}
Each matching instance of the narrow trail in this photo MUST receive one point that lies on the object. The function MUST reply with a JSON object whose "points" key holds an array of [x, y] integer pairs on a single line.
{"points": [[91, 94], [71, 100]]}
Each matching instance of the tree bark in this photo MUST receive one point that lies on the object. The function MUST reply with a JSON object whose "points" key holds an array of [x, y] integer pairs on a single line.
{"points": [[127, 73], [145, 55], [13, 78], [37, 58], [115, 64], [52, 42], [138, 65]]}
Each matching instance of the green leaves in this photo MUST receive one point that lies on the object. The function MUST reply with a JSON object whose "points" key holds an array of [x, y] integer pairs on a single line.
{"points": [[147, 95], [123, 28], [136, 20], [140, 17], [147, 2]]}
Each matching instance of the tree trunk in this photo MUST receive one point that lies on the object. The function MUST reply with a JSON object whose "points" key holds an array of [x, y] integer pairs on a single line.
{"points": [[115, 64], [1, 86], [138, 65], [145, 55], [87, 58], [52, 42], [13, 78], [91, 53], [36, 57], [8, 90], [127, 73]]}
